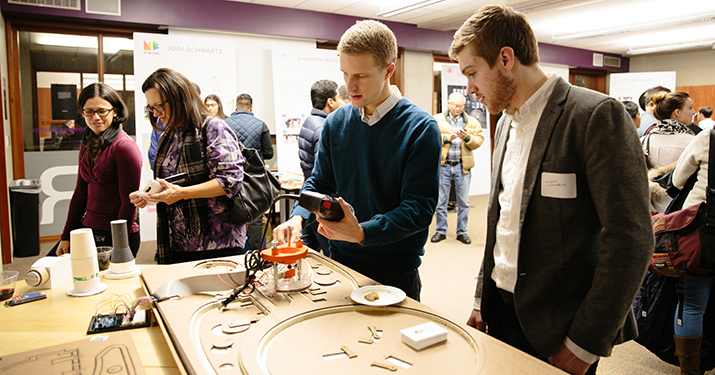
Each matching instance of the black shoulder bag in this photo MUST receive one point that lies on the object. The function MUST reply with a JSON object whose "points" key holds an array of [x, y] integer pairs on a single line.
{"points": [[258, 190]]}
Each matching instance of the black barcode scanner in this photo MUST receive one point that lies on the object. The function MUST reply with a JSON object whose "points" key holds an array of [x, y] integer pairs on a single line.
{"points": [[322, 205]]}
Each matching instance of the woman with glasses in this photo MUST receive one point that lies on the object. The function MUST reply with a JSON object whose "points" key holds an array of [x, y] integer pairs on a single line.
{"points": [[193, 218], [109, 170], [213, 103]]}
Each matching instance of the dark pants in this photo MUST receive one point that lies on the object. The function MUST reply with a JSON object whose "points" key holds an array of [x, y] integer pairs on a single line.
{"points": [[315, 240], [504, 325], [104, 238], [254, 233]]}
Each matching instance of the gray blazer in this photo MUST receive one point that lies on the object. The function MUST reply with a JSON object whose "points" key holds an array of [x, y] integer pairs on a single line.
{"points": [[581, 260]]}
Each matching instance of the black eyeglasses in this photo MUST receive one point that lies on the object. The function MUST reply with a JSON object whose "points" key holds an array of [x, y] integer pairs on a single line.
{"points": [[102, 112], [157, 108]]}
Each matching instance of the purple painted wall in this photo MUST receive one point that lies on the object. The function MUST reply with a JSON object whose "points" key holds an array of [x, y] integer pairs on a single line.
{"points": [[222, 15]]}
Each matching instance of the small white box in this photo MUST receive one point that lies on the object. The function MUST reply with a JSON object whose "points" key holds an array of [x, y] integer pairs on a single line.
{"points": [[423, 335]]}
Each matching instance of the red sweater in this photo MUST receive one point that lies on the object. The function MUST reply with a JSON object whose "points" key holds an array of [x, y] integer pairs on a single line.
{"points": [[102, 191]]}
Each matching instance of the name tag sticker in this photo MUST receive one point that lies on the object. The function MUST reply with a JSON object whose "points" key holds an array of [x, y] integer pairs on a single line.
{"points": [[558, 185]]}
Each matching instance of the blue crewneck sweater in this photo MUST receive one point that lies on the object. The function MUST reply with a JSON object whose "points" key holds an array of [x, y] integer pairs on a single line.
{"points": [[389, 173]]}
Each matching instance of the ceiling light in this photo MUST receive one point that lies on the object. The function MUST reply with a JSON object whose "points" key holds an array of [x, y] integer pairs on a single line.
{"points": [[672, 47], [630, 29], [407, 8]]}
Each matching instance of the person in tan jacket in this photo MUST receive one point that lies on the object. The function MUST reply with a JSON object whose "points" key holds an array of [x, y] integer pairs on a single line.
{"points": [[461, 134]]}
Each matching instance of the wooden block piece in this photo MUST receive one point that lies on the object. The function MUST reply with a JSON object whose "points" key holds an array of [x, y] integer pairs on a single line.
{"points": [[385, 365], [351, 354], [366, 341], [222, 343]]}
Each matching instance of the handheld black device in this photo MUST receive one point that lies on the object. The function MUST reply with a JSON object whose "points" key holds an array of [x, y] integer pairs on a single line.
{"points": [[322, 205]]}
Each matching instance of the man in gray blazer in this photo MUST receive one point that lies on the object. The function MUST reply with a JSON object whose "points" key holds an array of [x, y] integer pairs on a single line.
{"points": [[569, 233]]}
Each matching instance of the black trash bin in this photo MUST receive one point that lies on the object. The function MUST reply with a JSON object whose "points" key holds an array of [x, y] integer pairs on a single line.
{"points": [[25, 212]]}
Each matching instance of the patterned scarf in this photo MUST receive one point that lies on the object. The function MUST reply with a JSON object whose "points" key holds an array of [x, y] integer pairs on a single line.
{"points": [[195, 211], [670, 127]]}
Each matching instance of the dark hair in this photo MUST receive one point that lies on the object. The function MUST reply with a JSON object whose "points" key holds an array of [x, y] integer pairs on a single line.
{"points": [[215, 98], [321, 91], [706, 111], [490, 29], [185, 105], [244, 102], [647, 95], [107, 93], [631, 108], [343, 92], [667, 103]]}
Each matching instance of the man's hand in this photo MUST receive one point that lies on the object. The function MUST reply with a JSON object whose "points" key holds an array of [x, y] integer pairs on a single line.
{"points": [[564, 359], [294, 226], [348, 229], [475, 321]]}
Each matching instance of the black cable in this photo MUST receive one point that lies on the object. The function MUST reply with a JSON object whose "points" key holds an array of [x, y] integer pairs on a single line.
{"points": [[252, 261]]}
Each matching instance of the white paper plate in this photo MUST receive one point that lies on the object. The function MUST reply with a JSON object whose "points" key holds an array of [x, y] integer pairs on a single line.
{"points": [[389, 295]]}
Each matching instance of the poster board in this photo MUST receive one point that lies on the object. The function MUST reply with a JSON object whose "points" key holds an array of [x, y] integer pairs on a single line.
{"points": [[294, 72], [208, 62]]}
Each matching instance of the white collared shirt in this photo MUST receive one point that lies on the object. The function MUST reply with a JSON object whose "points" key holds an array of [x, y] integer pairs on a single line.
{"points": [[516, 156], [521, 135], [382, 109]]}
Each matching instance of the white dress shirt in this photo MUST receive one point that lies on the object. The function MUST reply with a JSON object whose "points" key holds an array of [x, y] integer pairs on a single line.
{"points": [[521, 135], [516, 157]]}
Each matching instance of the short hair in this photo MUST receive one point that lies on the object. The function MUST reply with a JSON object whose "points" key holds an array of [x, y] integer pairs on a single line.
{"points": [[456, 95], [371, 37], [647, 95], [343, 92], [706, 111], [667, 102], [215, 98], [321, 91], [244, 102], [631, 108], [106, 92], [490, 29]]}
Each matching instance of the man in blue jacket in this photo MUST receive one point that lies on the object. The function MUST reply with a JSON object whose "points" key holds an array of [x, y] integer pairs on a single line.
{"points": [[325, 99], [253, 133], [381, 155]]}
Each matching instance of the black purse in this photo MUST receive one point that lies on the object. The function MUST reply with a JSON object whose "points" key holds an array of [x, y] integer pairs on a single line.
{"points": [[258, 190]]}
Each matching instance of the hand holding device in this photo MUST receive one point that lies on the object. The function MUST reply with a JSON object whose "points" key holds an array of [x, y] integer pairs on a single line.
{"points": [[322, 205]]}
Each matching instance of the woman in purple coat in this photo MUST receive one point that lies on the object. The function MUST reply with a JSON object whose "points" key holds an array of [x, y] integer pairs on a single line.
{"points": [[193, 220], [109, 169]]}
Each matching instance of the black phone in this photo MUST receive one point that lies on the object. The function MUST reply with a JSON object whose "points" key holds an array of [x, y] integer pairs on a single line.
{"points": [[178, 179]]}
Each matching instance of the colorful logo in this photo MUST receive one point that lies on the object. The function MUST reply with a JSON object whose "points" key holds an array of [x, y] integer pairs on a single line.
{"points": [[151, 46]]}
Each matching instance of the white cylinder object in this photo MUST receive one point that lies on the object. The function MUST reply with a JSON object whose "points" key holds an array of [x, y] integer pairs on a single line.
{"points": [[83, 259]]}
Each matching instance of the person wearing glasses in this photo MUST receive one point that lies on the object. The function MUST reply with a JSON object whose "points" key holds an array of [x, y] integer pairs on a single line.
{"points": [[193, 220], [213, 103], [109, 169]]}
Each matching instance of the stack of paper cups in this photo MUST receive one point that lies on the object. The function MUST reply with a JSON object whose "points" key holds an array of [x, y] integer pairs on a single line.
{"points": [[85, 269]]}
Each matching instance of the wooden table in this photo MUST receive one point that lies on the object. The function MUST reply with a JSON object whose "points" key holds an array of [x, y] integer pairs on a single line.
{"points": [[61, 319]]}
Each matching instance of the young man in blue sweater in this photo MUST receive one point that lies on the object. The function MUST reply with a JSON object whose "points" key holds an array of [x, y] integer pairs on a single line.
{"points": [[381, 155]]}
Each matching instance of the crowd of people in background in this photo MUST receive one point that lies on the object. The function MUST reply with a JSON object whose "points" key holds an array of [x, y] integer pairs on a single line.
{"points": [[544, 283]]}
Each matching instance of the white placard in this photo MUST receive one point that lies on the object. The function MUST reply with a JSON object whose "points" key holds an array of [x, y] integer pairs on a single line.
{"points": [[294, 72]]}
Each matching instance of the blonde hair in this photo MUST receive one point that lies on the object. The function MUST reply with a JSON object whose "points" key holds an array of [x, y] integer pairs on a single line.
{"points": [[493, 27], [371, 37]]}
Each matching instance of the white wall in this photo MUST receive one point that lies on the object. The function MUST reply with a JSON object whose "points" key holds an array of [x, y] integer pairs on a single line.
{"points": [[418, 78], [692, 68]]}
